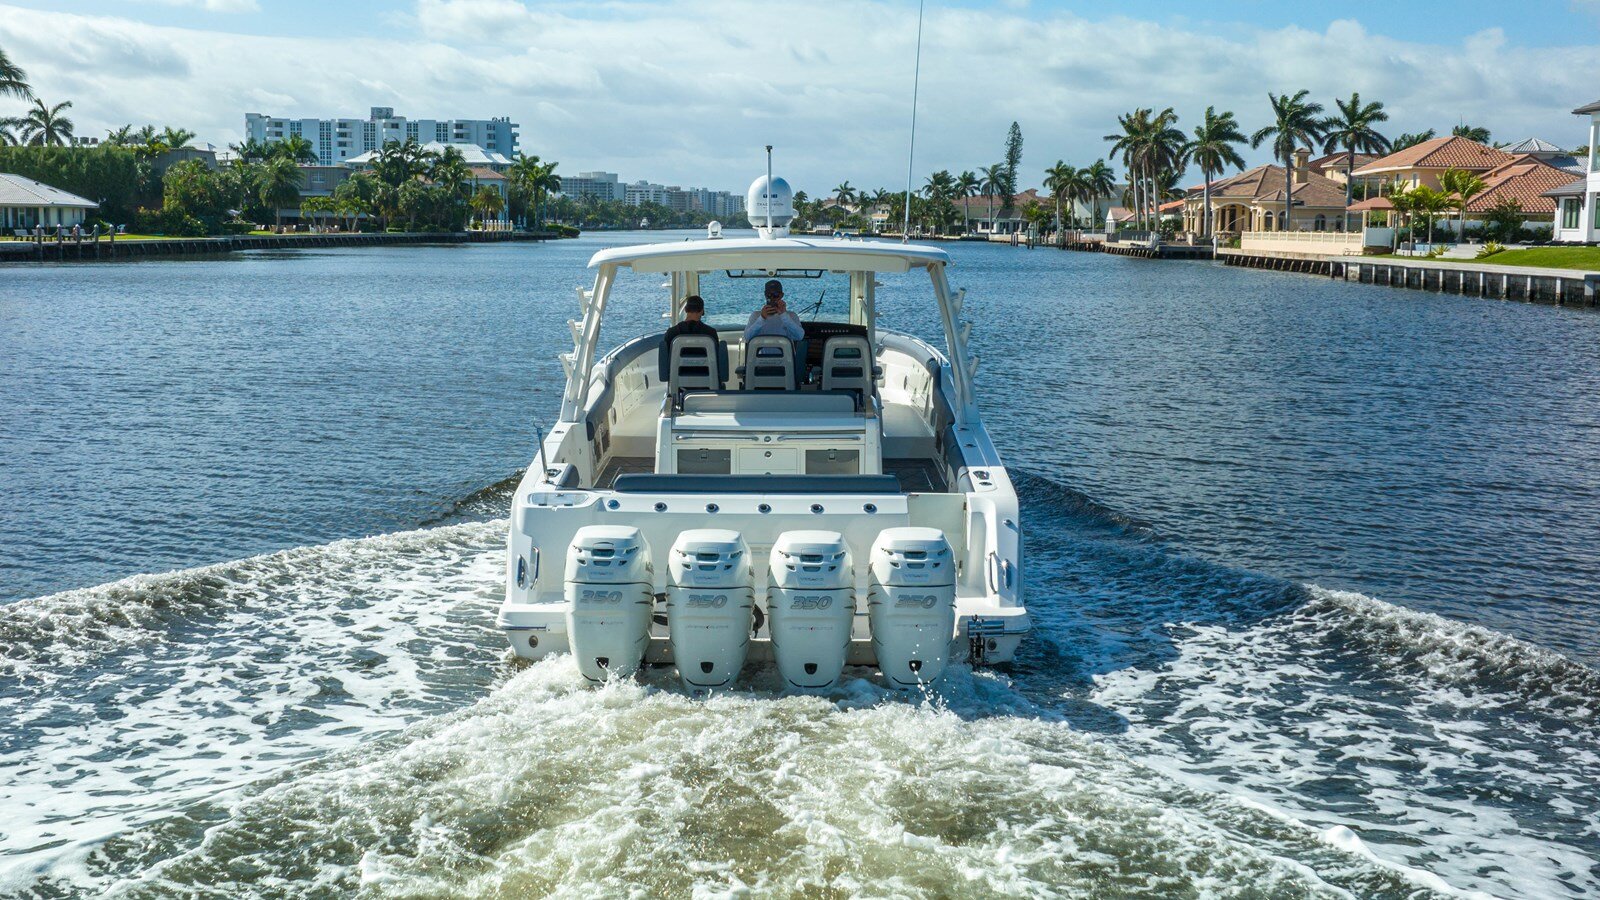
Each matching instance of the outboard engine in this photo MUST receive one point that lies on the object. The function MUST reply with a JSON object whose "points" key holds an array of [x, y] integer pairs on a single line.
{"points": [[912, 604], [709, 603], [811, 605], [609, 599]]}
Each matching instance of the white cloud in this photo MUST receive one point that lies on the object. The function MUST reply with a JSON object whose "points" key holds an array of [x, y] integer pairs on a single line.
{"points": [[218, 6], [686, 92]]}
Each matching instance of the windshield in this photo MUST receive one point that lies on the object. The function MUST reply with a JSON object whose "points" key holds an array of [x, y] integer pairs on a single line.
{"points": [[813, 296]]}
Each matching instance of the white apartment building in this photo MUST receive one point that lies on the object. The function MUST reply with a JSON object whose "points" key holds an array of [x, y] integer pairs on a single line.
{"points": [[599, 185], [336, 140], [642, 192]]}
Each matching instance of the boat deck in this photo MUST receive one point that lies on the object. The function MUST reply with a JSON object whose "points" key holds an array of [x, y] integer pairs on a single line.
{"points": [[916, 476]]}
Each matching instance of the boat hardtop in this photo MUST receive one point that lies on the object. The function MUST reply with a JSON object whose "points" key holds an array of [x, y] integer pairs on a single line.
{"points": [[816, 503]]}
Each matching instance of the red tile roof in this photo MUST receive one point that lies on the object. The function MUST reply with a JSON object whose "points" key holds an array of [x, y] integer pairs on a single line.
{"points": [[1372, 203], [1440, 153], [1525, 179], [483, 174]]}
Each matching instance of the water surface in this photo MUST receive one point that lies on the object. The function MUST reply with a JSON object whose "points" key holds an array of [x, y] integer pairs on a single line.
{"points": [[1313, 567]]}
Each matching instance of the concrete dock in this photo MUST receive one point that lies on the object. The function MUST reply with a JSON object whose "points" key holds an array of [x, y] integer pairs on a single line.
{"points": [[1567, 287]]}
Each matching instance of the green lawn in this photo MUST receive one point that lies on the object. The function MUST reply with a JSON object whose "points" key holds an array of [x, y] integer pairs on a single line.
{"points": [[1549, 258]]}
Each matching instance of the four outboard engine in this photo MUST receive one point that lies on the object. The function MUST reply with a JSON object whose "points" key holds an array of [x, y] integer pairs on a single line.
{"points": [[912, 604], [709, 603], [811, 605], [609, 599]]}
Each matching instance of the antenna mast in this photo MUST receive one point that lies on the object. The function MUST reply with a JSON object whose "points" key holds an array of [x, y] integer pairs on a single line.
{"points": [[916, 82], [769, 189]]}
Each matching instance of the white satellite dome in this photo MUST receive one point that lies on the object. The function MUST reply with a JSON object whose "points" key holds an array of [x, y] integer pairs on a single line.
{"points": [[781, 198]]}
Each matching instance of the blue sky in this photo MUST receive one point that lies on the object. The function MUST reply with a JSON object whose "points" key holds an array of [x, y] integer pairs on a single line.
{"points": [[687, 92]]}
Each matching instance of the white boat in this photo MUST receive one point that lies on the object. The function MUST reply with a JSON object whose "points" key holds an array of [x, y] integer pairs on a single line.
{"points": [[818, 504]]}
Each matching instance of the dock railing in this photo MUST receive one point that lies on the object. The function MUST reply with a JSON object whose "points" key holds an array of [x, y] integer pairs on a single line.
{"points": [[1320, 243]]}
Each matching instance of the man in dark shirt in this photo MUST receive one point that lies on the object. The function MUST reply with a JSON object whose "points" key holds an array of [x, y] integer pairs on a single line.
{"points": [[694, 310]]}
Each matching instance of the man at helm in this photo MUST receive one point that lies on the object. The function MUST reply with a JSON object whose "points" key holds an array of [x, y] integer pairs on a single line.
{"points": [[774, 317]]}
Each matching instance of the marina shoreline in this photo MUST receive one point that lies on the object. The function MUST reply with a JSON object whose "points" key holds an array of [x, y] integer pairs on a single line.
{"points": [[65, 249]]}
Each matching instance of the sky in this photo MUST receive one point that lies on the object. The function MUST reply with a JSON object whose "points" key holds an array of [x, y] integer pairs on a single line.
{"points": [[688, 93]]}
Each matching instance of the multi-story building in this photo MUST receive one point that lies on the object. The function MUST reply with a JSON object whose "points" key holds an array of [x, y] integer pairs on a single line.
{"points": [[641, 192], [608, 186], [599, 185], [336, 140], [1577, 216]]}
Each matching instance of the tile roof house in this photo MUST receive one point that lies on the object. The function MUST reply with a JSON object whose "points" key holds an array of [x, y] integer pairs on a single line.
{"points": [[1422, 164], [1332, 166], [1253, 201], [25, 203], [1525, 179]]}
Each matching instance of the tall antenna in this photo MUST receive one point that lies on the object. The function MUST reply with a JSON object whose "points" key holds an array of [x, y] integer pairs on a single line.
{"points": [[769, 188], [916, 82]]}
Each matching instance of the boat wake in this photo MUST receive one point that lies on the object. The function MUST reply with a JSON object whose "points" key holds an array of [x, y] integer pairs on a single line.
{"points": [[339, 718]]}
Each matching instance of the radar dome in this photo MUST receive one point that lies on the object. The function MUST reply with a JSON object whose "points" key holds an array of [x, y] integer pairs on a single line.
{"points": [[782, 203]]}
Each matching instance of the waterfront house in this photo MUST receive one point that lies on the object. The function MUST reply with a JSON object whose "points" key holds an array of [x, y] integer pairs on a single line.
{"points": [[472, 154], [1253, 201], [1577, 214], [482, 176], [25, 203], [1421, 165], [1332, 166]]}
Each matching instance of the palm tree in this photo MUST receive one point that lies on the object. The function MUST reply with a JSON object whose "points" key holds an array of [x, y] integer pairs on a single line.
{"points": [[1464, 185], [178, 138], [13, 81], [279, 188], [1296, 123], [1163, 159], [939, 189], [1128, 143], [968, 184], [545, 181], [1429, 203], [1407, 139], [251, 150], [450, 171], [1352, 129], [8, 132], [992, 182], [843, 195], [1471, 132], [295, 148], [1101, 181], [46, 126], [1213, 150], [1058, 180], [120, 137], [487, 202]]}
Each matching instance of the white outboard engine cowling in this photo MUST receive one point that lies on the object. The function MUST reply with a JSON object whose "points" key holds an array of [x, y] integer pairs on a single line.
{"points": [[811, 605], [709, 601], [912, 604], [609, 599]]}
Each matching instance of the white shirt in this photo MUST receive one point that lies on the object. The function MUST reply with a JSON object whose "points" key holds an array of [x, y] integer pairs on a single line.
{"points": [[786, 324]]}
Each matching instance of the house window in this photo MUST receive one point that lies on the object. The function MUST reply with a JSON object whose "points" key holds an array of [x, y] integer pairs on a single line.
{"points": [[1594, 202], [1320, 223], [1267, 222], [1571, 212]]}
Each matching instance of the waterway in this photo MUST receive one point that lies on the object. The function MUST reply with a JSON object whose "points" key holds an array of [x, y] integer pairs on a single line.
{"points": [[1313, 564]]}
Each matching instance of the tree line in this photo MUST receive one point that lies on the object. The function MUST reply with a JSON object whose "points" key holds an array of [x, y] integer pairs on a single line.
{"points": [[1154, 154]]}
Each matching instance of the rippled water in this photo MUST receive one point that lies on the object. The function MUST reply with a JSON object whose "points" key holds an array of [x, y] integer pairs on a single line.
{"points": [[1313, 569]]}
